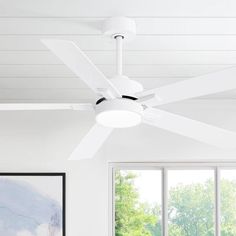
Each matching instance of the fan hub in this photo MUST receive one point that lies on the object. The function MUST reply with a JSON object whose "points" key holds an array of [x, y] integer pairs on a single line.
{"points": [[119, 113]]}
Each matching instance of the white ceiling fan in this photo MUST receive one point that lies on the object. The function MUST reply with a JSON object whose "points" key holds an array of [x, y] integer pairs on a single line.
{"points": [[122, 101]]}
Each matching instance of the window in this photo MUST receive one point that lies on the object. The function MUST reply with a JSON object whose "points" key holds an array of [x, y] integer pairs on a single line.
{"points": [[191, 202], [173, 199], [138, 202]]}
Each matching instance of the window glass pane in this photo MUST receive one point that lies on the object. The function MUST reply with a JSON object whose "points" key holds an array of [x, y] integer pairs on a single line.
{"points": [[228, 202], [191, 202], [138, 203]]}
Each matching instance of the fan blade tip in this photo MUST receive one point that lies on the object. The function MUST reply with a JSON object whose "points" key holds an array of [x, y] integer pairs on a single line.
{"points": [[49, 42], [45, 41], [78, 158], [75, 156]]}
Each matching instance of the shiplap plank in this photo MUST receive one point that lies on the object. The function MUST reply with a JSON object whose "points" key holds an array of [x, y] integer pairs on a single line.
{"points": [[130, 57], [130, 70], [92, 26], [72, 95], [186, 26], [143, 42], [50, 26], [72, 83], [43, 93], [104, 8], [46, 94], [41, 83]]}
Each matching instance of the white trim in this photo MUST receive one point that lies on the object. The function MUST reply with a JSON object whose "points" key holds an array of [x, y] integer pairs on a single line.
{"points": [[172, 165]]}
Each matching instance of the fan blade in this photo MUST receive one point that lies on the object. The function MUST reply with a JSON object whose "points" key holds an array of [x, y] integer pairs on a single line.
{"points": [[199, 86], [81, 65], [91, 143], [45, 106], [190, 128]]}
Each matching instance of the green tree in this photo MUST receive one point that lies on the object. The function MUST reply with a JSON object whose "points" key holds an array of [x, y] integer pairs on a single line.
{"points": [[191, 209], [228, 208], [132, 218]]}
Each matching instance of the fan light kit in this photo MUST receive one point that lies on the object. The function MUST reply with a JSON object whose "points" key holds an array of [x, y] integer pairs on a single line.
{"points": [[119, 113], [122, 102]]}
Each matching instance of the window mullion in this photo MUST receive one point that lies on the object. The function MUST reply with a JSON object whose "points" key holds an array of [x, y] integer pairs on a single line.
{"points": [[164, 202], [217, 202], [111, 215]]}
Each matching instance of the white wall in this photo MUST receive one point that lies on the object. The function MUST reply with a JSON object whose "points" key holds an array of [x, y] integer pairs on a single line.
{"points": [[42, 141]]}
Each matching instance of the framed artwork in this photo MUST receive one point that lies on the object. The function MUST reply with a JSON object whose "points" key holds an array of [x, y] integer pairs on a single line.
{"points": [[32, 204]]}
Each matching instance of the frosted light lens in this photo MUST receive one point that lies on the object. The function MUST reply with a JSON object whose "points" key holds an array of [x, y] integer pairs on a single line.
{"points": [[118, 118]]}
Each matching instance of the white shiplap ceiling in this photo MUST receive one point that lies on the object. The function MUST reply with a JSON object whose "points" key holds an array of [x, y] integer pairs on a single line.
{"points": [[176, 40]]}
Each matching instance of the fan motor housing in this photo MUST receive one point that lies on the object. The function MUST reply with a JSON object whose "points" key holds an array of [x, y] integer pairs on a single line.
{"points": [[119, 113]]}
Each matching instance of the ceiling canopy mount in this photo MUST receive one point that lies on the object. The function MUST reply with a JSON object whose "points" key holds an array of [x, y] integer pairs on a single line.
{"points": [[119, 27]]}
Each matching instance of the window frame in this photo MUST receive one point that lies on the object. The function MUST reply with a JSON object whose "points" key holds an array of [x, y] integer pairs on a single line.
{"points": [[164, 167]]}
